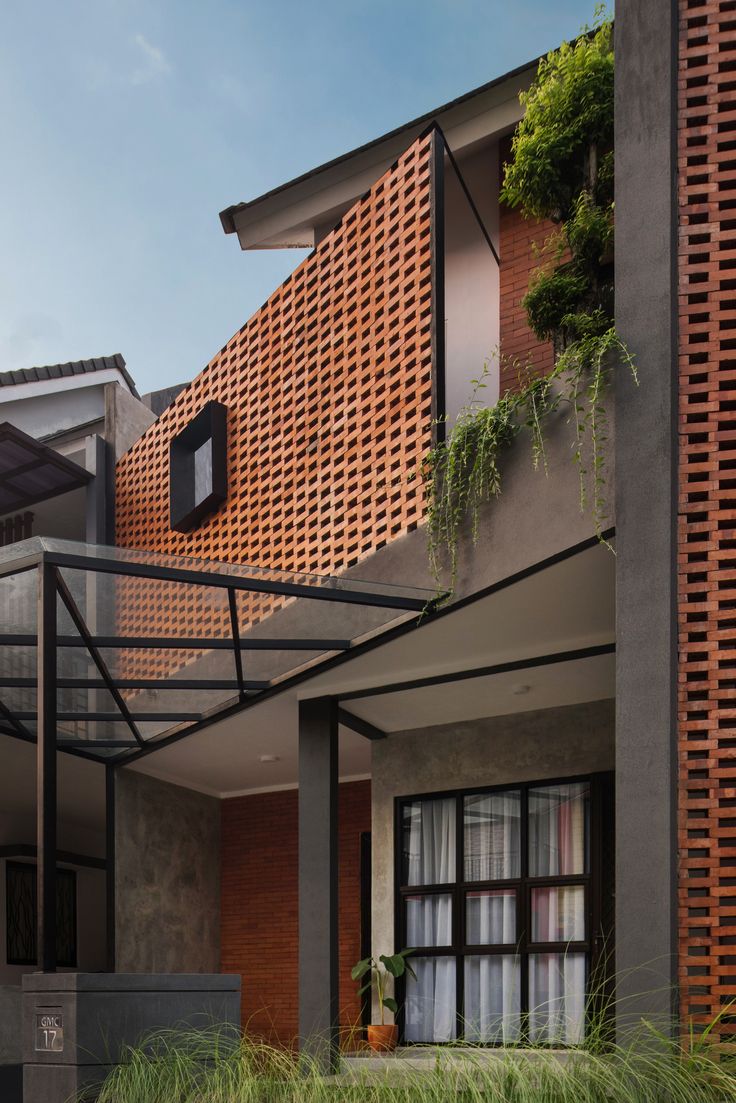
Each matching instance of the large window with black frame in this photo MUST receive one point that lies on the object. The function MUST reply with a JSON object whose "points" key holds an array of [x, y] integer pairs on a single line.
{"points": [[504, 894]]}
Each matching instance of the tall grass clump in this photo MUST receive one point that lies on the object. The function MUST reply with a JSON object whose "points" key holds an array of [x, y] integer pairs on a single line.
{"points": [[212, 1067]]}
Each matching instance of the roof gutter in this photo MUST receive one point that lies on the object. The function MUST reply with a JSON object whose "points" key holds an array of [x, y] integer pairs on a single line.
{"points": [[227, 217]]}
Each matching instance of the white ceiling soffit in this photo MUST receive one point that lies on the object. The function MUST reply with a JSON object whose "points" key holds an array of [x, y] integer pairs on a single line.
{"points": [[564, 607], [293, 216]]}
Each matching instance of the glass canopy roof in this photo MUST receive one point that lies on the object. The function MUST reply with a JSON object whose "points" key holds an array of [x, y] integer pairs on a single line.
{"points": [[151, 646]]}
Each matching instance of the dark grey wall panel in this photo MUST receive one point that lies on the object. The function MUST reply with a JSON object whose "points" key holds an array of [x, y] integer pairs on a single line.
{"points": [[646, 497]]}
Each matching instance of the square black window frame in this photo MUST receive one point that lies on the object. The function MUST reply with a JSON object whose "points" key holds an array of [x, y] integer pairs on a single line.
{"points": [[185, 512], [66, 915]]}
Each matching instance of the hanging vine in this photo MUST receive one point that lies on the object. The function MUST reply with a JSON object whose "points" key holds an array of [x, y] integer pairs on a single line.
{"points": [[561, 169]]}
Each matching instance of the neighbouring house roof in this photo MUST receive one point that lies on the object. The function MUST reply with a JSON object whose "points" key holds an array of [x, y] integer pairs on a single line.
{"points": [[31, 472], [288, 214], [64, 371]]}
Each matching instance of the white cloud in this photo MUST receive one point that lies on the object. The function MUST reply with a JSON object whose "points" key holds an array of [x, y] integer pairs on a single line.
{"points": [[155, 64]]}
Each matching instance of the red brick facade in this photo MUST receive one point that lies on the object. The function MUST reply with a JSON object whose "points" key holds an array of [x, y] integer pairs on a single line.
{"points": [[518, 238], [260, 908], [707, 507]]}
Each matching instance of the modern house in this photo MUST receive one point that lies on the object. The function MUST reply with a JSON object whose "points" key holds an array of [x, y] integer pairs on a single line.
{"points": [[291, 752]]}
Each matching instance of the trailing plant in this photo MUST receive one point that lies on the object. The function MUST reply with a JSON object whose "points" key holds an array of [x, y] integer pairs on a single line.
{"points": [[561, 170]]}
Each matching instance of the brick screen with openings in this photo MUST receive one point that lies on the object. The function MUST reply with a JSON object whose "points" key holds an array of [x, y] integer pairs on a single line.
{"points": [[328, 389], [707, 509]]}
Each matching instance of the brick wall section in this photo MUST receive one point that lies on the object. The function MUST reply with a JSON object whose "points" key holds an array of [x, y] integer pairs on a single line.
{"points": [[518, 237], [328, 392], [707, 508], [519, 346], [260, 906]]}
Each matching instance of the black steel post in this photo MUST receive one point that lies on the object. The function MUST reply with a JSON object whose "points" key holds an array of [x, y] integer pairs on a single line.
{"points": [[318, 929], [110, 864], [46, 771]]}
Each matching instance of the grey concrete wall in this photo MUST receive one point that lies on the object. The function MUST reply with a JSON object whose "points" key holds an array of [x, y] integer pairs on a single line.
{"points": [[126, 419], [536, 516], [167, 877], [11, 1047], [646, 505], [158, 401], [545, 743]]}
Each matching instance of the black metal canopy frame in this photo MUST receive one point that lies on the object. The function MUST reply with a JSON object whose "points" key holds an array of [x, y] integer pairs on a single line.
{"points": [[70, 681], [70, 598]]}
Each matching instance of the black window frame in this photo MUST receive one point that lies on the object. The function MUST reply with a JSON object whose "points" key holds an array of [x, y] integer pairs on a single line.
{"points": [[210, 424], [63, 961], [597, 882]]}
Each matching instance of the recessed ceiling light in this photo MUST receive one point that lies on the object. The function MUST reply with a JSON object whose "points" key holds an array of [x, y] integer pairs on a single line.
{"points": [[520, 690], [269, 758]]}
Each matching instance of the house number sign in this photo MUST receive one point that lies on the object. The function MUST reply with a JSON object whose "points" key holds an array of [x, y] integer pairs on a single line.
{"points": [[49, 1032]]}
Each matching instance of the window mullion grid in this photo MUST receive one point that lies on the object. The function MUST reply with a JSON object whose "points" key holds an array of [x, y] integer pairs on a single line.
{"points": [[523, 914], [458, 918], [522, 886]]}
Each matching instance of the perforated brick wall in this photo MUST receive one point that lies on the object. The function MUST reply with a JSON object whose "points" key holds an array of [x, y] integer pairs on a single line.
{"points": [[707, 508], [259, 933], [328, 389]]}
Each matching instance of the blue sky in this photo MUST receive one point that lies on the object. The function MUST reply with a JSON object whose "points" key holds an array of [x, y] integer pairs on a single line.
{"points": [[127, 125]]}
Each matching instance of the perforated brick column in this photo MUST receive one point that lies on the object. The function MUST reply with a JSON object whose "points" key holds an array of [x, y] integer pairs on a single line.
{"points": [[707, 508]]}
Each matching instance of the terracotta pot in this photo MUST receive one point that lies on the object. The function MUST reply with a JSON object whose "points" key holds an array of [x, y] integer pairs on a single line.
{"points": [[383, 1039]]}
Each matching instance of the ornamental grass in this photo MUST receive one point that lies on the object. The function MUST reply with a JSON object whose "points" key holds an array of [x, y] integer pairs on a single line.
{"points": [[215, 1066]]}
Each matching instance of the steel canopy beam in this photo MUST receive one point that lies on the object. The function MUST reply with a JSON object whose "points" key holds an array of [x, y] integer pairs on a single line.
{"points": [[116, 718], [171, 643], [482, 671], [80, 625], [101, 565], [358, 725], [138, 683]]}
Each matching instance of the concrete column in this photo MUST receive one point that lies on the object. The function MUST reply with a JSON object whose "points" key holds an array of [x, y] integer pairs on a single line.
{"points": [[318, 870], [646, 511]]}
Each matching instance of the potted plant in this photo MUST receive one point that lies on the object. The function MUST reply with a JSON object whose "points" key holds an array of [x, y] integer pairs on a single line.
{"points": [[382, 1037]]}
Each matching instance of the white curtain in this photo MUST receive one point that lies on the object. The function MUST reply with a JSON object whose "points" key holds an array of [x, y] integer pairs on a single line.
{"points": [[430, 847], [430, 1000], [492, 850], [557, 835], [492, 999], [490, 917], [557, 848], [429, 920], [557, 998], [558, 914]]}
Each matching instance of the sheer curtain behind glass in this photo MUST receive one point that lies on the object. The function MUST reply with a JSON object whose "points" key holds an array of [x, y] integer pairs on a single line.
{"points": [[492, 852], [429, 842], [558, 847], [492, 836], [429, 839]]}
